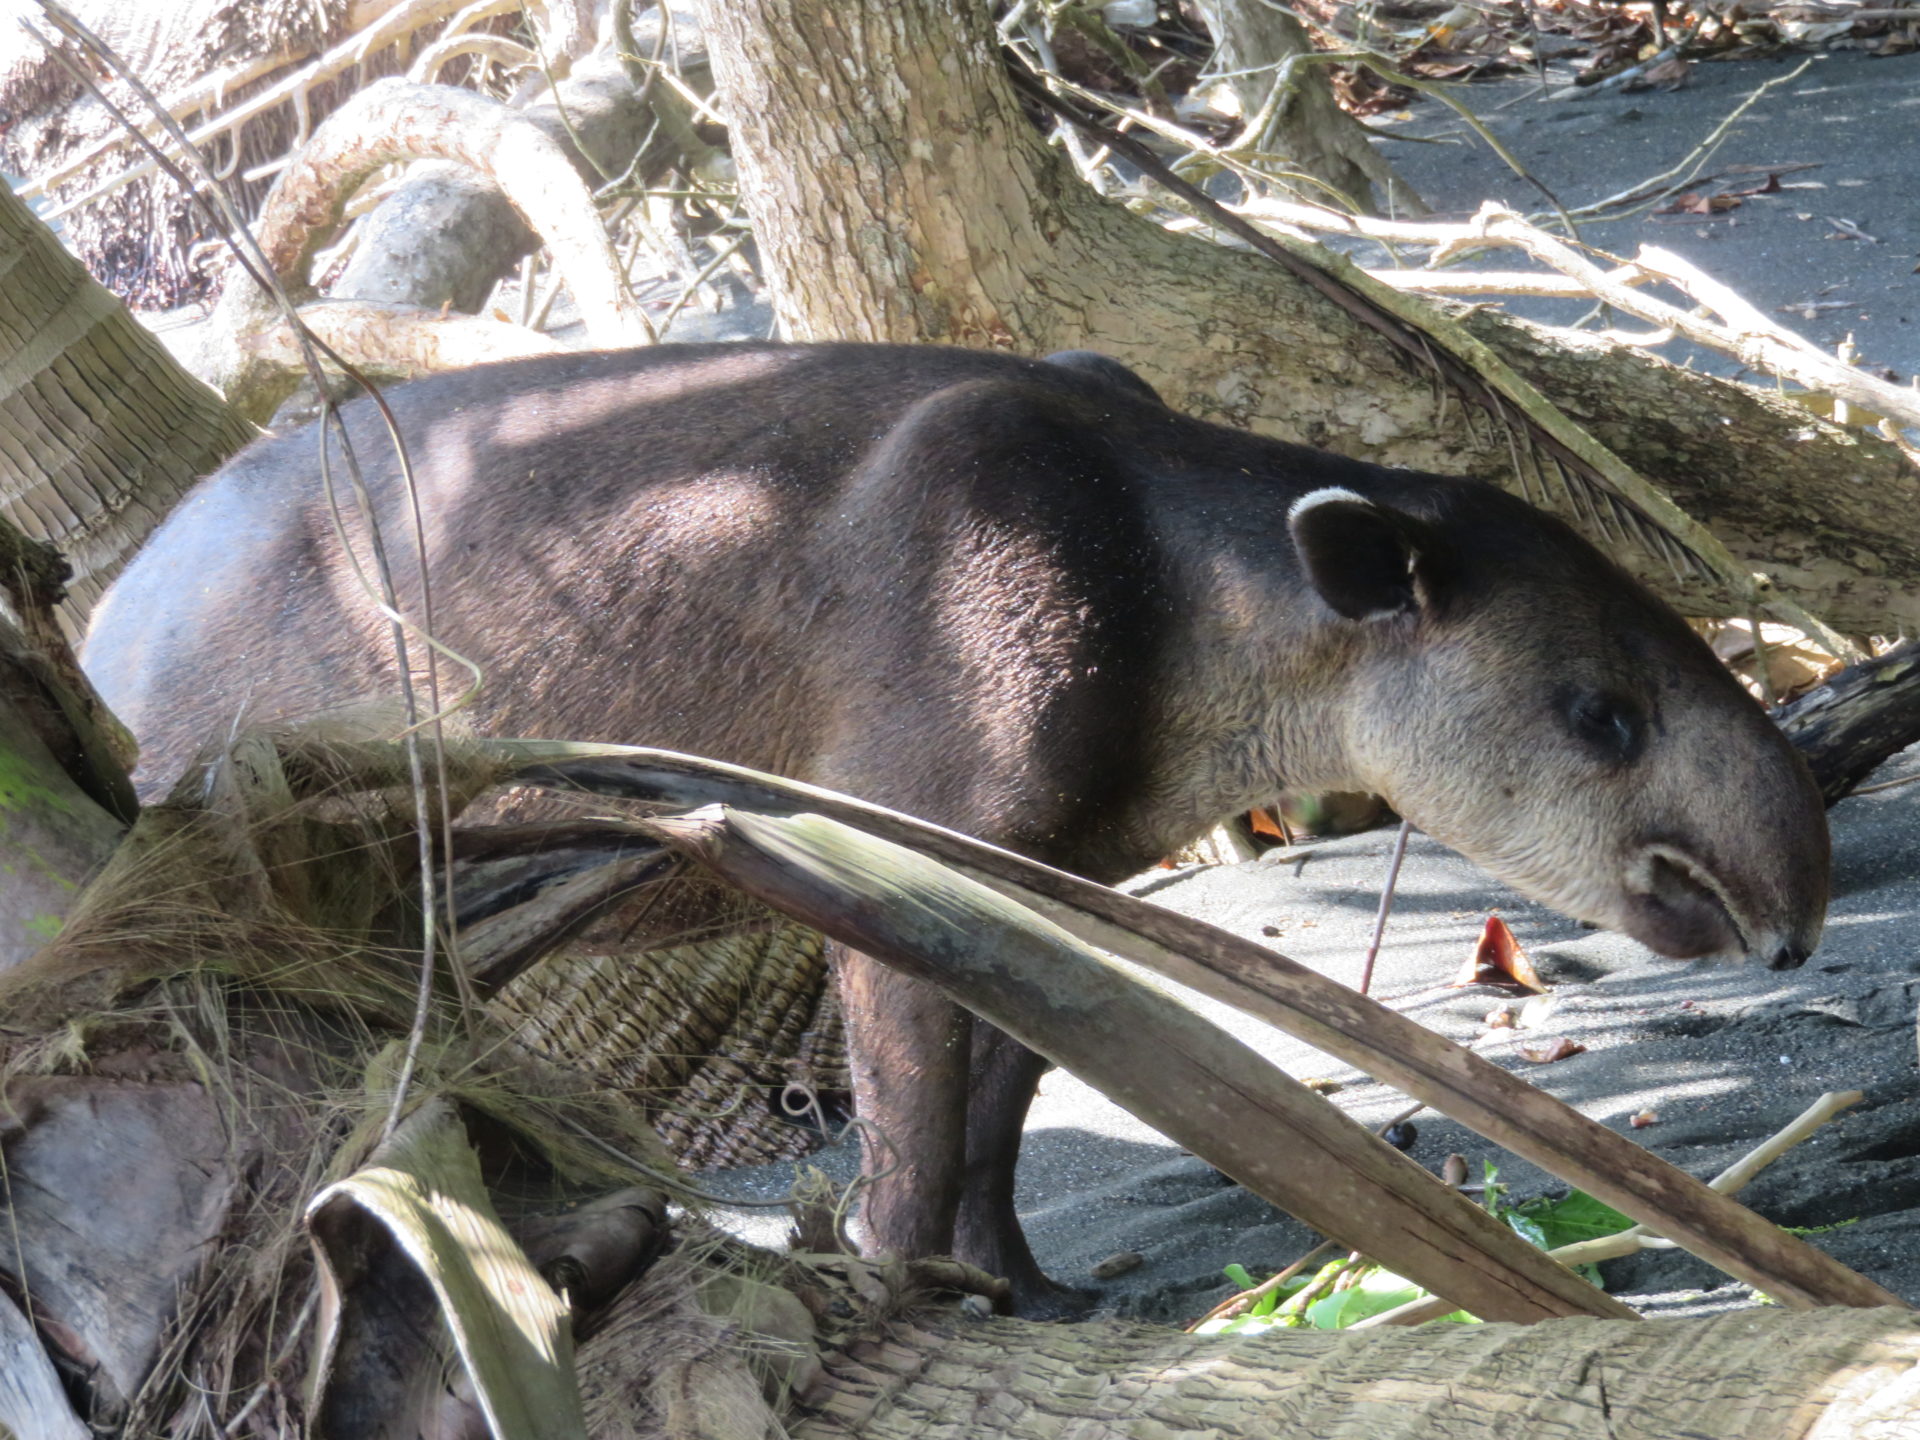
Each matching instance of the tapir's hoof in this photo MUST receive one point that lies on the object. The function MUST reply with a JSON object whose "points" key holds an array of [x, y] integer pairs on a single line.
{"points": [[1038, 1298]]}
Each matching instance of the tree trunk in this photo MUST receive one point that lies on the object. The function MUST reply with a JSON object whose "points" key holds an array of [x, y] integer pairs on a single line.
{"points": [[1308, 128], [103, 429], [899, 193], [54, 835], [1843, 1375]]}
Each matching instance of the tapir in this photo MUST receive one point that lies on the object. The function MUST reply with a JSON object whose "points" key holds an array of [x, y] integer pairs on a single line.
{"points": [[1024, 599]]}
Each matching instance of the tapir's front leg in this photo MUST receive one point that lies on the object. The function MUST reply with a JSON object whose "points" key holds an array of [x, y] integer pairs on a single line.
{"points": [[987, 1229], [908, 1053]]}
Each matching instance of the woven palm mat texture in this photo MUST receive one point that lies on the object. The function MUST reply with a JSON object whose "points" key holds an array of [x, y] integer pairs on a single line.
{"points": [[727, 1041]]}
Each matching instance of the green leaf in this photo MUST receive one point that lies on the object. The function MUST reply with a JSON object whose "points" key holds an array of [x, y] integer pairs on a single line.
{"points": [[1527, 1228], [1575, 1217], [1374, 1294], [1239, 1275]]}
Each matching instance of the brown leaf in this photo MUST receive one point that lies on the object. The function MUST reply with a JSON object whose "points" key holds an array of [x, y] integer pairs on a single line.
{"points": [[1668, 75], [1640, 1119], [1261, 822], [1498, 960], [1545, 1052], [1501, 1017]]}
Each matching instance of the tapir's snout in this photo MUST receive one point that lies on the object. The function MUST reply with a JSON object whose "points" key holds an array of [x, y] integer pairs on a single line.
{"points": [[1789, 957], [1751, 883], [1685, 913]]}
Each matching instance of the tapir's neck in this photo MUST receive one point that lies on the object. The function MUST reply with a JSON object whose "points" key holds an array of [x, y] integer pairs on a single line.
{"points": [[1254, 699]]}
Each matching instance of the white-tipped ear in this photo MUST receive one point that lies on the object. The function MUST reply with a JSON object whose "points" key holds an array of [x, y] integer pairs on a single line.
{"points": [[1357, 555], [1325, 495]]}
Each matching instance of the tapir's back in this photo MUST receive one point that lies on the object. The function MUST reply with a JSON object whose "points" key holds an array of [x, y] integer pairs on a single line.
{"points": [[765, 554], [1021, 598]]}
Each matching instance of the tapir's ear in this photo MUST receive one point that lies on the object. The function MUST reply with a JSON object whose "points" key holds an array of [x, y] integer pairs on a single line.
{"points": [[1360, 556]]}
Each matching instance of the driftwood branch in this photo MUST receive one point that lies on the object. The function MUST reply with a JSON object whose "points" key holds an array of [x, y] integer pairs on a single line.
{"points": [[1854, 722], [392, 120], [398, 342], [1265, 983], [1741, 331]]}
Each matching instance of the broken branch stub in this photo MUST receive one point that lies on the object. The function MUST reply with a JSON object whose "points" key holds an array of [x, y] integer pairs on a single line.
{"points": [[1152, 1055]]}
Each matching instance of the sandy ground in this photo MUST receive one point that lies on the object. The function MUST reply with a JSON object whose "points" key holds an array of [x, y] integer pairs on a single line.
{"points": [[1724, 1055], [1854, 119]]}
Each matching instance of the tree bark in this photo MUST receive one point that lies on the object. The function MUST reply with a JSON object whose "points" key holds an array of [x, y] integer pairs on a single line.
{"points": [[1848, 727], [54, 835], [1845, 1375], [898, 193], [1308, 128], [101, 430]]}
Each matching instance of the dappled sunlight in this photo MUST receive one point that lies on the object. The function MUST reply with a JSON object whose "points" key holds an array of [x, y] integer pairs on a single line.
{"points": [[583, 404]]}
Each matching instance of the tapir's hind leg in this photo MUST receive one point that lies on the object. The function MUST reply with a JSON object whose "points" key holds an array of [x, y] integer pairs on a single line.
{"points": [[987, 1232], [908, 1054]]}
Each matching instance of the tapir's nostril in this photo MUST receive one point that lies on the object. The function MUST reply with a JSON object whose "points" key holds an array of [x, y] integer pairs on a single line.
{"points": [[1788, 957]]}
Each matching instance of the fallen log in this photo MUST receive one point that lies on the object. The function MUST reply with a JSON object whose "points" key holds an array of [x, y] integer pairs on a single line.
{"points": [[1848, 727], [1835, 1374]]}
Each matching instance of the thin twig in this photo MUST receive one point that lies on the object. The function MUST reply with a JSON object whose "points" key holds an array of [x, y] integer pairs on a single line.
{"points": [[724, 254], [1686, 172], [1386, 904], [1887, 784]]}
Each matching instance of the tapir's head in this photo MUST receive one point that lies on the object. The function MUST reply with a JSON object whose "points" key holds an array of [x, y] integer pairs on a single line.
{"points": [[1518, 696]]}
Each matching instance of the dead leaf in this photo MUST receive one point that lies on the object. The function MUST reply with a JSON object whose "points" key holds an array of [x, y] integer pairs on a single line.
{"points": [[1262, 822], [1498, 960], [1537, 1012], [1454, 1170], [1500, 1018], [1545, 1052], [1118, 1263], [1640, 1119], [1667, 75]]}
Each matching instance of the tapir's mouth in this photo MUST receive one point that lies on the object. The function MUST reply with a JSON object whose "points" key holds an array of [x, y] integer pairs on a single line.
{"points": [[1676, 907]]}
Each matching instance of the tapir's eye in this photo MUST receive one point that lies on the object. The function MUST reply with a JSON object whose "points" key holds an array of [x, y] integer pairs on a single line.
{"points": [[1612, 724]]}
